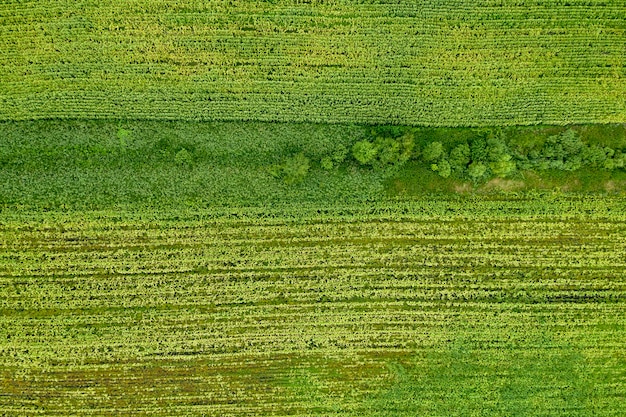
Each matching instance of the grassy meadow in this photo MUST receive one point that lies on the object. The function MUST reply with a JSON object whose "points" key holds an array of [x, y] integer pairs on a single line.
{"points": [[436, 308], [437, 63], [91, 164]]}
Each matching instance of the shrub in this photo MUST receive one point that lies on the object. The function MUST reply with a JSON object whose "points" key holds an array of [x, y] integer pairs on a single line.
{"points": [[619, 159], [496, 149], [327, 163], [388, 151], [571, 142], [478, 149], [504, 167], [393, 151], [183, 158], [123, 137], [432, 152], [460, 157], [294, 169], [594, 155], [444, 168], [364, 152], [477, 170], [340, 154], [384, 151]]}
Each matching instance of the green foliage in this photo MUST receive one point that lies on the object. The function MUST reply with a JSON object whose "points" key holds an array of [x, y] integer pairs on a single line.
{"points": [[444, 169], [394, 151], [123, 136], [385, 151], [293, 170], [478, 149], [327, 163], [340, 154], [504, 167], [183, 158], [497, 149], [477, 170], [81, 163], [595, 155], [364, 152], [507, 383], [433, 151], [460, 157]]}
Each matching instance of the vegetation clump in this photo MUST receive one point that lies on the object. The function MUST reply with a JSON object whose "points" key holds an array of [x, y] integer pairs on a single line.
{"points": [[292, 170]]}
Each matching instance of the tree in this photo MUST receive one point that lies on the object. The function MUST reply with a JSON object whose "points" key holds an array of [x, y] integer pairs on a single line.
{"points": [[327, 163], [497, 149], [384, 152], [478, 149], [183, 157], [571, 142], [594, 155], [388, 151], [460, 157], [444, 168], [364, 152], [339, 155], [477, 170], [504, 167], [432, 152], [394, 151]]}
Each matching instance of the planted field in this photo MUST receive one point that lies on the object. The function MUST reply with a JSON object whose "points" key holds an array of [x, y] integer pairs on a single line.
{"points": [[445, 63], [439, 308]]}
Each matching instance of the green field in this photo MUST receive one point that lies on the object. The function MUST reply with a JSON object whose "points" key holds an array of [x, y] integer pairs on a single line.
{"points": [[462, 307], [357, 208], [443, 63]]}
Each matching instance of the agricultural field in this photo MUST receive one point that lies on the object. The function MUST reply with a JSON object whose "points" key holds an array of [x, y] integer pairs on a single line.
{"points": [[359, 208], [437, 63], [452, 307]]}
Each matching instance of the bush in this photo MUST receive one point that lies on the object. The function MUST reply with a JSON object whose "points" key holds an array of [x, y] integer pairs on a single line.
{"points": [[294, 169], [183, 158], [364, 152], [478, 149], [388, 151], [384, 151], [123, 135], [594, 155], [477, 170], [571, 142], [394, 151], [619, 160], [497, 150], [460, 157], [444, 168], [327, 163], [504, 167], [340, 154], [432, 152]]}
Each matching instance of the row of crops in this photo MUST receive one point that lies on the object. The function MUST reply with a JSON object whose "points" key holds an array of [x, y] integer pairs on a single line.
{"points": [[442, 308], [443, 63]]}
